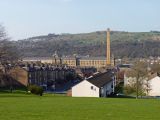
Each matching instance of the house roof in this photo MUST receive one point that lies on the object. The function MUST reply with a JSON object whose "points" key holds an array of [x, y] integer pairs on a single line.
{"points": [[101, 79], [36, 58], [65, 58], [153, 75]]}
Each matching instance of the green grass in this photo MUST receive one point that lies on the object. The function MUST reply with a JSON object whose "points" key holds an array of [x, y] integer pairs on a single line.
{"points": [[53, 107]]}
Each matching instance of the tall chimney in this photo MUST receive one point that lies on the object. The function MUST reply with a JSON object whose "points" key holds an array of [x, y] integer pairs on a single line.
{"points": [[108, 52]]}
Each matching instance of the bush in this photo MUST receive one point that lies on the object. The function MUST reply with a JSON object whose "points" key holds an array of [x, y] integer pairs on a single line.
{"points": [[37, 90], [119, 88], [129, 90]]}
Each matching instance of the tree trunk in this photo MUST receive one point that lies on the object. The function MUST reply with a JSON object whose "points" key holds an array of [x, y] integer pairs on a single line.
{"points": [[136, 88]]}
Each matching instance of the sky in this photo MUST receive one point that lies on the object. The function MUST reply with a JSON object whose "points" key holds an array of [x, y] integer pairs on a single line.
{"points": [[27, 18]]}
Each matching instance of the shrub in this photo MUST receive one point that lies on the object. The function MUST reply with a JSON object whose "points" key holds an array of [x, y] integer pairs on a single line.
{"points": [[129, 90], [119, 88], [34, 89]]}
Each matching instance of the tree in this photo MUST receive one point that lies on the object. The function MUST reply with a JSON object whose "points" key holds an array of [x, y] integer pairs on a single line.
{"points": [[8, 54], [139, 73], [155, 68], [2, 33]]}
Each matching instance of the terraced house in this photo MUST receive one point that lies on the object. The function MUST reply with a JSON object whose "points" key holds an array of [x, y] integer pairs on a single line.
{"points": [[49, 77]]}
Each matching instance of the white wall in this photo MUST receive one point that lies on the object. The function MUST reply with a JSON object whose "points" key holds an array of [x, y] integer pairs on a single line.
{"points": [[83, 89], [154, 86]]}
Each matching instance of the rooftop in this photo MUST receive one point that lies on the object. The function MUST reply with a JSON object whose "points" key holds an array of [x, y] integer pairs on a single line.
{"points": [[68, 58], [101, 79]]}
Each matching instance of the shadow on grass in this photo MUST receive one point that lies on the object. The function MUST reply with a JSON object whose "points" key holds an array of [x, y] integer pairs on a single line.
{"points": [[14, 93], [22, 93], [122, 96]]}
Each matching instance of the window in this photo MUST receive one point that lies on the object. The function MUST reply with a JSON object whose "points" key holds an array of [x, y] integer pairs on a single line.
{"points": [[93, 88], [112, 86]]}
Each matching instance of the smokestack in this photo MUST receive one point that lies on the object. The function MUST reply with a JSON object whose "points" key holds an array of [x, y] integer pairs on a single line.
{"points": [[108, 52]]}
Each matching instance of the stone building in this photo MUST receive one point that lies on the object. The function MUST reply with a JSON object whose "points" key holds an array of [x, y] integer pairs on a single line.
{"points": [[49, 77], [97, 62]]}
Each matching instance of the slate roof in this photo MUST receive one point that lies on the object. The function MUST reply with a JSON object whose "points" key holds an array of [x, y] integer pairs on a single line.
{"points": [[67, 58], [36, 58], [101, 79]]}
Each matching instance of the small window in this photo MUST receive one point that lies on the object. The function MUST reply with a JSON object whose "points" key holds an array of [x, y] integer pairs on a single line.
{"points": [[91, 87], [112, 86]]}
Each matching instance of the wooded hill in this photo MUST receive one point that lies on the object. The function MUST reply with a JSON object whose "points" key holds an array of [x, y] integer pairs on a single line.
{"points": [[123, 44]]}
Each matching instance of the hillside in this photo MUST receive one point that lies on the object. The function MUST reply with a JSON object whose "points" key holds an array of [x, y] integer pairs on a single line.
{"points": [[123, 44]]}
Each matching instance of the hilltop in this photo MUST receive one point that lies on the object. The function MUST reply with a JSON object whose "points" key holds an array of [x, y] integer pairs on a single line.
{"points": [[123, 44]]}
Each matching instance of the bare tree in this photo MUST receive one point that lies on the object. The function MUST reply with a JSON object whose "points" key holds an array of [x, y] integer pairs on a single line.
{"points": [[2, 33], [155, 68], [8, 55], [140, 74]]}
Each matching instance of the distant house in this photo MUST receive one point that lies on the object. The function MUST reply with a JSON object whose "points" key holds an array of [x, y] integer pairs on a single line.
{"points": [[50, 77], [100, 85], [154, 86], [150, 84]]}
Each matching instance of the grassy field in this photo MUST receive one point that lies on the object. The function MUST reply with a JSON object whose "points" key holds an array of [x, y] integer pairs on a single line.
{"points": [[51, 107]]}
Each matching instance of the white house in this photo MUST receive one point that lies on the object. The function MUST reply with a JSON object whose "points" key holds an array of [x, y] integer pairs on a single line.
{"points": [[154, 86], [150, 84], [100, 85]]}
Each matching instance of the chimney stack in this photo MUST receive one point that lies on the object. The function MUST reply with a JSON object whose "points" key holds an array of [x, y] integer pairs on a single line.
{"points": [[108, 52]]}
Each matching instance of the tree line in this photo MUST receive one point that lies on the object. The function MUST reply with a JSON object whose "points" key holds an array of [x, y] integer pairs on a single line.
{"points": [[123, 44]]}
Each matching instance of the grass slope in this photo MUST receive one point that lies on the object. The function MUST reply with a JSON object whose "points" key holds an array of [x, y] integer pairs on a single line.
{"points": [[50, 107]]}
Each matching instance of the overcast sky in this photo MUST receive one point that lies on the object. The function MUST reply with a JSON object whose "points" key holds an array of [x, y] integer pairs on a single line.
{"points": [[26, 18]]}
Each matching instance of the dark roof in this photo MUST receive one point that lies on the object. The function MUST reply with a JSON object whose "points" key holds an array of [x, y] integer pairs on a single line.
{"points": [[66, 58], [125, 65], [46, 68], [101, 79], [36, 58]]}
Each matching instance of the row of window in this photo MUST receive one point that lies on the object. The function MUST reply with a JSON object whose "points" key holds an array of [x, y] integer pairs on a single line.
{"points": [[92, 63]]}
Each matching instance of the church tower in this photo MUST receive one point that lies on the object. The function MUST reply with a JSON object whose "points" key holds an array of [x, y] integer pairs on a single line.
{"points": [[108, 52]]}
